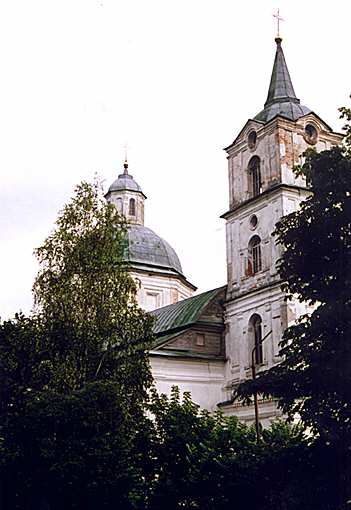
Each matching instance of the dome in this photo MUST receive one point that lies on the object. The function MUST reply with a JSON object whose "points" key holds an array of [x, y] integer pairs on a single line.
{"points": [[125, 182], [145, 248]]}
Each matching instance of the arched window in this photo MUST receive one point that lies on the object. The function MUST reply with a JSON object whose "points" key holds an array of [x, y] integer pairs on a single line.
{"points": [[119, 205], [255, 176], [255, 257], [132, 206], [255, 329]]}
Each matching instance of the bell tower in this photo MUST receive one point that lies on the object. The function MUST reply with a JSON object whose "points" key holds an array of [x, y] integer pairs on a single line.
{"points": [[262, 189]]}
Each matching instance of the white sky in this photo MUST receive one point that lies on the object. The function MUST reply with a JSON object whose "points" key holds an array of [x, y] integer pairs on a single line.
{"points": [[176, 79]]}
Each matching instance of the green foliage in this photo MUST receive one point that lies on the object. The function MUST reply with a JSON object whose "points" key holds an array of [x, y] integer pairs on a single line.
{"points": [[81, 426], [75, 374], [85, 296], [80, 450], [317, 238], [205, 461], [346, 114]]}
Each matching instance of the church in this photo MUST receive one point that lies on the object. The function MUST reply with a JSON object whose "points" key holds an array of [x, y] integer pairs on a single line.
{"points": [[206, 343]]}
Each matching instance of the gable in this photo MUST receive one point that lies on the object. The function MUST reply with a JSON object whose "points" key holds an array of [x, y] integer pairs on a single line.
{"points": [[195, 341], [250, 124], [192, 327], [321, 125]]}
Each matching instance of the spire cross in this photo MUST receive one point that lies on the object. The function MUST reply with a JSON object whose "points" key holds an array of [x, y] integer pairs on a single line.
{"points": [[279, 18]]}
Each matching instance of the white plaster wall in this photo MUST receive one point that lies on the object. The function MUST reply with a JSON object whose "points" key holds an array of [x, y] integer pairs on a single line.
{"points": [[268, 412], [259, 293], [270, 305], [203, 379], [165, 289], [268, 211], [239, 232]]}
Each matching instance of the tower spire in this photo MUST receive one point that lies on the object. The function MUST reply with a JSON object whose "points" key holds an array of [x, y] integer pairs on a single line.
{"points": [[281, 98], [280, 88]]}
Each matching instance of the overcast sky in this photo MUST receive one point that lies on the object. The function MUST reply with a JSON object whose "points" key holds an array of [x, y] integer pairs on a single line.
{"points": [[176, 79]]}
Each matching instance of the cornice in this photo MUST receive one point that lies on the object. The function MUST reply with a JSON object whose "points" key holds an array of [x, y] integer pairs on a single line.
{"points": [[272, 190]]}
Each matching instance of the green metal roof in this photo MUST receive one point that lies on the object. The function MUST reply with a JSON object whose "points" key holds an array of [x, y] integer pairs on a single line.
{"points": [[182, 314]]}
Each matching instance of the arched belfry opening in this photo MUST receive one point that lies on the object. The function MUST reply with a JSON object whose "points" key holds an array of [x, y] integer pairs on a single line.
{"points": [[132, 206], [255, 339], [254, 170], [254, 255], [119, 205]]}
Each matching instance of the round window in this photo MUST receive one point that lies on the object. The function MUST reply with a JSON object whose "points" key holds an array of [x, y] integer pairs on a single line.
{"points": [[311, 134], [253, 222], [252, 139]]}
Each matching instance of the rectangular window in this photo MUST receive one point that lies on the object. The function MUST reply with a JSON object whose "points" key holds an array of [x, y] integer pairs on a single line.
{"points": [[200, 339], [152, 301]]}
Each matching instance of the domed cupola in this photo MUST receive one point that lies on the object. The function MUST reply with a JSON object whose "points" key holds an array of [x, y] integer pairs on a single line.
{"points": [[127, 196], [152, 261], [146, 250]]}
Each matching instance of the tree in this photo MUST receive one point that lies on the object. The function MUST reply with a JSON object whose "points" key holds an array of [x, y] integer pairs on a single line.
{"points": [[205, 461], [314, 379], [85, 296], [75, 374]]}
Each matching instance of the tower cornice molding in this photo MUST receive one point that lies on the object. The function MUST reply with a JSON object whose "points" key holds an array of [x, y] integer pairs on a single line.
{"points": [[265, 194], [272, 286]]}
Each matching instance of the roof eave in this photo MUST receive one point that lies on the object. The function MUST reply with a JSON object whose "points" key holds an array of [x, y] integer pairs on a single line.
{"points": [[124, 189], [145, 267]]}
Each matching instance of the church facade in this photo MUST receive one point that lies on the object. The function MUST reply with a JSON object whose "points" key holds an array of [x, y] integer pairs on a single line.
{"points": [[207, 343]]}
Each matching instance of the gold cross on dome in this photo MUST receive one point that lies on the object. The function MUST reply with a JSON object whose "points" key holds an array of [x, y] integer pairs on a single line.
{"points": [[279, 18]]}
